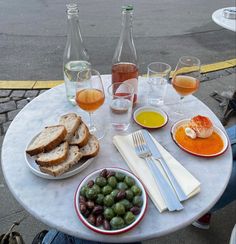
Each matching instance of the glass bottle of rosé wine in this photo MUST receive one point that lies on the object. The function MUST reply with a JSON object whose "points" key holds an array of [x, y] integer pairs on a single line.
{"points": [[125, 62]]}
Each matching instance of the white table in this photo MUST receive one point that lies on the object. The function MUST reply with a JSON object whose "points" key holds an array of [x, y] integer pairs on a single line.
{"points": [[51, 201], [220, 20]]}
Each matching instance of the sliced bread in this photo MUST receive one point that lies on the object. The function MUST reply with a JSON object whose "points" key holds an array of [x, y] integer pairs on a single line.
{"points": [[91, 149], [74, 155], [81, 136], [48, 139], [53, 157], [71, 121]]}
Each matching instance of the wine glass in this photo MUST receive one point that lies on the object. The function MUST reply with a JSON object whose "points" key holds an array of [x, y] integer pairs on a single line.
{"points": [[185, 79], [90, 96]]}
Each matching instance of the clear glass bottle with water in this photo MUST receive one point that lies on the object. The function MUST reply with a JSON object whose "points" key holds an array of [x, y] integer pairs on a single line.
{"points": [[75, 57]]}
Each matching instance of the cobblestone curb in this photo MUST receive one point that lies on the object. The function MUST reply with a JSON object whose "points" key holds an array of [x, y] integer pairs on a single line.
{"points": [[11, 102]]}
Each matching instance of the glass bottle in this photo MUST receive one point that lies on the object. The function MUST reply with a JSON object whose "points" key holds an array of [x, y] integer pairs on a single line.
{"points": [[125, 62], [75, 58]]}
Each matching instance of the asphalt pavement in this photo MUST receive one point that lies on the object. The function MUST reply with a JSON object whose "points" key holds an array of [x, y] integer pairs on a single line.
{"points": [[32, 40], [33, 34]]}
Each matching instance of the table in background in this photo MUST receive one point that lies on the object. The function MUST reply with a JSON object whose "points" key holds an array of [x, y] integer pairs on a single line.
{"points": [[51, 201], [220, 20]]}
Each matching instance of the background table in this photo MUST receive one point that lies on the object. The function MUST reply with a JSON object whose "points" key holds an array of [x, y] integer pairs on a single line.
{"points": [[219, 19], [51, 201]]}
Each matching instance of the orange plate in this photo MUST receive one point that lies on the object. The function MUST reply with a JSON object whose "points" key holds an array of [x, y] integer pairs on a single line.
{"points": [[212, 146]]}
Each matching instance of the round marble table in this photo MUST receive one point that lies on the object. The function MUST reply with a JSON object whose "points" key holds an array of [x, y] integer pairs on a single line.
{"points": [[51, 201], [219, 19]]}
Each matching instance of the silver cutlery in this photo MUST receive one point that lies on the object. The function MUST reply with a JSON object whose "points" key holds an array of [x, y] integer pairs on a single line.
{"points": [[157, 155], [168, 194]]}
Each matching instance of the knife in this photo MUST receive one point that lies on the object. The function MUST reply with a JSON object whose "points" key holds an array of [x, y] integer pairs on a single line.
{"points": [[157, 155]]}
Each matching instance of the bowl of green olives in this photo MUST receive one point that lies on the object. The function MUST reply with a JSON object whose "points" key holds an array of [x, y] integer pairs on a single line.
{"points": [[110, 201]]}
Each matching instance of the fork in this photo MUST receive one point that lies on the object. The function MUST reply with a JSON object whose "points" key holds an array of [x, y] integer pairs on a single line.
{"points": [[168, 194]]}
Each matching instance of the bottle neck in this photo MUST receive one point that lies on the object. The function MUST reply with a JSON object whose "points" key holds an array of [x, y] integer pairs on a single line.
{"points": [[74, 49], [127, 24], [125, 50], [73, 28]]}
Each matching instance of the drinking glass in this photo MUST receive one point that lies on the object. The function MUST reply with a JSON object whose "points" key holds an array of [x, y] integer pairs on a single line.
{"points": [[185, 79], [157, 77], [120, 97], [90, 96]]}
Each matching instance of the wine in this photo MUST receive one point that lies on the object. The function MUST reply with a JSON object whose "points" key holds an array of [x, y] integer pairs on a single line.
{"points": [[128, 73], [90, 99], [185, 85]]}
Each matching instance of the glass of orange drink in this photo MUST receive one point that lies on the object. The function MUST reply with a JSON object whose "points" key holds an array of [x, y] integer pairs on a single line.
{"points": [[186, 78], [90, 96]]}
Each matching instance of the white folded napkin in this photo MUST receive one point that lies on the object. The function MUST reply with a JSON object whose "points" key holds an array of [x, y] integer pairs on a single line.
{"points": [[138, 166]]}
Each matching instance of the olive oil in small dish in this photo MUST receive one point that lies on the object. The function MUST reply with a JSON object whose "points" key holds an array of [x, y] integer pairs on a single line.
{"points": [[150, 117]]}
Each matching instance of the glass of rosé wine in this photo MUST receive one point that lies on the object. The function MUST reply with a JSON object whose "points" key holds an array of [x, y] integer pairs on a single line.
{"points": [[186, 78], [90, 96]]}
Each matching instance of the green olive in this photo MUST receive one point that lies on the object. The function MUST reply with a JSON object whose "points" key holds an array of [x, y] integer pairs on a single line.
{"points": [[91, 194], [114, 193], [108, 213], [129, 218], [101, 181], [138, 201], [108, 200], [136, 190], [119, 208], [112, 181], [96, 188], [117, 223], [122, 186], [119, 176], [128, 205], [129, 181], [106, 190], [113, 207], [83, 190], [129, 195], [99, 199]]}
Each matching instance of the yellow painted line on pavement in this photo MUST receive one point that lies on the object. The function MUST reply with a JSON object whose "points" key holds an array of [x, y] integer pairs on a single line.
{"points": [[232, 61], [17, 84], [46, 84], [218, 66], [28, 84]]}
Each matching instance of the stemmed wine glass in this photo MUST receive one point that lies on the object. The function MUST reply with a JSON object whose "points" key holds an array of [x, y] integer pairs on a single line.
{"points": [[90, 96], [185, 79]]}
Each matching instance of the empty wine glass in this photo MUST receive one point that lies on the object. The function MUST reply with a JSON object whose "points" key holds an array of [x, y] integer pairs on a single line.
{"points": [[185, 79], [90, 96]]}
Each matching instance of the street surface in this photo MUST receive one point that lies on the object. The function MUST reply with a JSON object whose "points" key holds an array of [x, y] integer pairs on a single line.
{"points": [[33, 34]]}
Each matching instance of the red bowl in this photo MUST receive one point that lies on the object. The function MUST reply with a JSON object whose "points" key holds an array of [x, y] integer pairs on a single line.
{"points": [[100, 230]]}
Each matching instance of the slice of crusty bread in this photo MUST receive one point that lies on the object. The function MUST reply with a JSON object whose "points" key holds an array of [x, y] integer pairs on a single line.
{"points": [[81, 136], [74, 155], [91, 149], [71, 121], [53, 157], [48, 139]]}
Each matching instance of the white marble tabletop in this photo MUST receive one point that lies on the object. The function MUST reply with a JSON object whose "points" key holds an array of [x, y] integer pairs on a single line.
{"points": [[51, 201], [219, 19]]}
